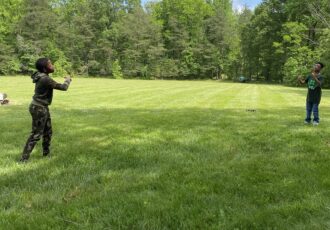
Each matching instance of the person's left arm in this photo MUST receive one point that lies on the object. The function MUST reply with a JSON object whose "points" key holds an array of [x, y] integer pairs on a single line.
{"points": [[318, 81], [321, 80], [64, 86]]}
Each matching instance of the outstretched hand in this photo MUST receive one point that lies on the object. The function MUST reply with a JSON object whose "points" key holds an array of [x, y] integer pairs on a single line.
{"points": [[68, 78]]}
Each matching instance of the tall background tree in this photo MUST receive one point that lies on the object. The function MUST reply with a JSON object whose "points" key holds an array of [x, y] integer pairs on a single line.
{"points": [[10, 13]]}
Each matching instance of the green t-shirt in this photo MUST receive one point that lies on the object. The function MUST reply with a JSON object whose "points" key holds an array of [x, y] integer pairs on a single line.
{"points": [[314, 89]]}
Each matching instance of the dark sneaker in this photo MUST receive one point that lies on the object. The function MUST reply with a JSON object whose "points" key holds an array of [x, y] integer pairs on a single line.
{"points": [[23, 160], [46, 153]]}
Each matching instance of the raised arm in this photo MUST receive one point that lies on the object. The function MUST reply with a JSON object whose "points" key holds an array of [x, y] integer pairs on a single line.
{"points": [[301, 80], [59, 86], [315, 77]]}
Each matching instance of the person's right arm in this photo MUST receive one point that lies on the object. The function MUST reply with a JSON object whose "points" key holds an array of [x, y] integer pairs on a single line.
{"points": [[301, 80]]}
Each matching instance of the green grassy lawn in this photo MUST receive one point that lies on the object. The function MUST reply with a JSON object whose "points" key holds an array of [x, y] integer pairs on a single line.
{"points": [[133, 154]]}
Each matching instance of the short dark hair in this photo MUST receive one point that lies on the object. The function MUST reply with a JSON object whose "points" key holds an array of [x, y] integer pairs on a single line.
{"points": [[41, 64], [321, 64]]}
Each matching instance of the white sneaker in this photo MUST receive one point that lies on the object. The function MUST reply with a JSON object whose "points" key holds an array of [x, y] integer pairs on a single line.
{"points": [[315, 123]]}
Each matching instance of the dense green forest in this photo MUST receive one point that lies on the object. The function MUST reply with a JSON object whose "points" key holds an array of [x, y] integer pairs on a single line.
{"points": [[167, 39]]}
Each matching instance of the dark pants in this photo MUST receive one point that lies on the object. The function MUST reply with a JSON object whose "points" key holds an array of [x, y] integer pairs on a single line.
{"points": [[312, 107], [41, 127]]}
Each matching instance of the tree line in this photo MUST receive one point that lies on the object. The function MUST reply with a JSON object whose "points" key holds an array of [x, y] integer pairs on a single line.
{"points": [[167, 39]]}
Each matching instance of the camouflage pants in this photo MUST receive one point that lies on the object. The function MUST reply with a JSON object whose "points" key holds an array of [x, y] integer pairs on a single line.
{"points": [[41, 127]]}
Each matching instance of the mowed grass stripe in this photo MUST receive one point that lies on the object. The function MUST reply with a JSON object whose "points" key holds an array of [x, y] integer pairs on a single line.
{"points": [[154, 96], [200, 96]]}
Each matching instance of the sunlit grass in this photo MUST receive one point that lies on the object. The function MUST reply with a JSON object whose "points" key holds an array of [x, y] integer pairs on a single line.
{"points": [[130, 154]]}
